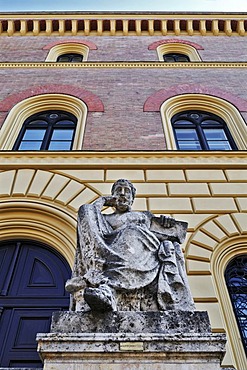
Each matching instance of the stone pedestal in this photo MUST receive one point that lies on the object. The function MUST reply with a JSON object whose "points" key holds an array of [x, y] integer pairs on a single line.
{"points": [[170, 340]]}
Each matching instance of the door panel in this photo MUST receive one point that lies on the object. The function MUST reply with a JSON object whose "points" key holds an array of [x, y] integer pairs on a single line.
{"points": [[38, 268], [33, 278], [24, 324]]}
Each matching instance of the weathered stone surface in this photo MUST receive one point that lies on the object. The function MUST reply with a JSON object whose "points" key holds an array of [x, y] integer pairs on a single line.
{"points": [[105, 342], [125, 340], [128, 260], [166, 322], [117, 351], [134, 309]]}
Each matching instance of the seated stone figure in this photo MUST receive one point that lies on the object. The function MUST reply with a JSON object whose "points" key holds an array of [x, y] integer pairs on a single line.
{"points": [[128, 260]]}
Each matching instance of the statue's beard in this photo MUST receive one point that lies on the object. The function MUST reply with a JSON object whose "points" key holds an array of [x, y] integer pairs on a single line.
{"points": [[123, 204]]}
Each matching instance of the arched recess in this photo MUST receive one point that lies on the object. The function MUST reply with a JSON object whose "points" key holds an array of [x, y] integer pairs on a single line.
{"points": [[224, 253], [57, 48], [177, 47], [69, 47], [207, 103], [42, 205], [156, 44], [35, 104], [33, 220], [208, 252]]}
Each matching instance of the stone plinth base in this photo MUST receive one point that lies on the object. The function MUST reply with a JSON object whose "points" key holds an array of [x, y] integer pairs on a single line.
{"points": [[175, 341]]}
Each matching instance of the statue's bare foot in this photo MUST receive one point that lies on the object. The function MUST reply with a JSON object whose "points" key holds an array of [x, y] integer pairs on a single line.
{"points": [[74, 284], [100, 299]]}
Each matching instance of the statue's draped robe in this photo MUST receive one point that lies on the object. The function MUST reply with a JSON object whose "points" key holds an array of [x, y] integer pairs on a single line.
{"points": [[129, 256]]}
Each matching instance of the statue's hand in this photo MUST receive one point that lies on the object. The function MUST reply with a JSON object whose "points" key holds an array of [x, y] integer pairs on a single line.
{"points": [[167, 221], [110, 201], [105, 202]]}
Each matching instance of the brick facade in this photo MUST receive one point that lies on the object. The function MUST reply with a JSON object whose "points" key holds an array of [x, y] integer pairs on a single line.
{"points": [[123, 85], [118, 89]]}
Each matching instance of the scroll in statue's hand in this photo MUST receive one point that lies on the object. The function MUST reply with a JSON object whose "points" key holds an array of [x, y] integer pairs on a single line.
{"points": [[166, 221]]}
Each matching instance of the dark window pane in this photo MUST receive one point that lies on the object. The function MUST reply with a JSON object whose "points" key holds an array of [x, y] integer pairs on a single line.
{"points": [[176, 57], [48, 130], [189, 145], [38, 123], [34, 134], [169, 59], [215, 134], [182, 58], [60, 145], [210, 122], [206, 130], [65, 123], [30, 145], [183, 122], [71, 58], [63, 59], [77, 59], [186, 134], [62, 134], [219, 145]]}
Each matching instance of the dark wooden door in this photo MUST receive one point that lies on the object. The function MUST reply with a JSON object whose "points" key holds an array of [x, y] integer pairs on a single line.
{"points": [[32, 279]]}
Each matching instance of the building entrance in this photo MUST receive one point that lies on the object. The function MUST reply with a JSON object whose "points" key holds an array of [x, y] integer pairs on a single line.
{"points": [[32, 279]]}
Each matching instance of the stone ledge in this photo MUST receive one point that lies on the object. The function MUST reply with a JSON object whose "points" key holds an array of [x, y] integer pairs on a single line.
{"points": [[168, 340], [165, 322], [146, 351], [77, 343]]}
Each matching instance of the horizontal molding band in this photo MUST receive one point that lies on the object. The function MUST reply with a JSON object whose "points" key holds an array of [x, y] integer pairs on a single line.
{"points": [[125, 24], [190, 65], [121, 159]]}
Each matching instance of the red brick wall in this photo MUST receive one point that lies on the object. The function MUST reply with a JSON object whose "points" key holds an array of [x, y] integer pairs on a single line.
{"points": [[120, 48], [124, 125]]}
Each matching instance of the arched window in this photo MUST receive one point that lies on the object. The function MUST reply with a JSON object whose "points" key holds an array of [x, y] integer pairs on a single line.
{"points": [[49, 130], [177, 52], [176, 58], [236, 280], [70, 58], [198, 130], [70, 52]]}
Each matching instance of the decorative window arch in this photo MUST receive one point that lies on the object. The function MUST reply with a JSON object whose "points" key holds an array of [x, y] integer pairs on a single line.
{"points": [[67, 48], [206, 103], [178, 48], [40, 103], [221, 258]]}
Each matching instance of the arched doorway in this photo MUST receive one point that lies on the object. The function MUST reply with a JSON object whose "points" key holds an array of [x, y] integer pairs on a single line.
{"points": [[32, 279]]}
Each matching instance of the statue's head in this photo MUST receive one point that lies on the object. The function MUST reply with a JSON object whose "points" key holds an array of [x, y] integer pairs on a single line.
{"points": [[124, 182], [124, 192]]}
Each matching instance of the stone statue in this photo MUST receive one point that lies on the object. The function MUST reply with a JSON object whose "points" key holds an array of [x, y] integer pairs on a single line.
{"points": [[128, 260]]}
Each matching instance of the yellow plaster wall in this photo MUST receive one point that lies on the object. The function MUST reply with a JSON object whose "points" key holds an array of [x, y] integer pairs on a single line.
{"points": [[40, 196]]}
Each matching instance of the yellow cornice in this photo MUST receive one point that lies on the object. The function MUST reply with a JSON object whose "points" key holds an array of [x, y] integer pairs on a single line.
{"points": [[97, 65], [121, 159], [122, 24]]}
